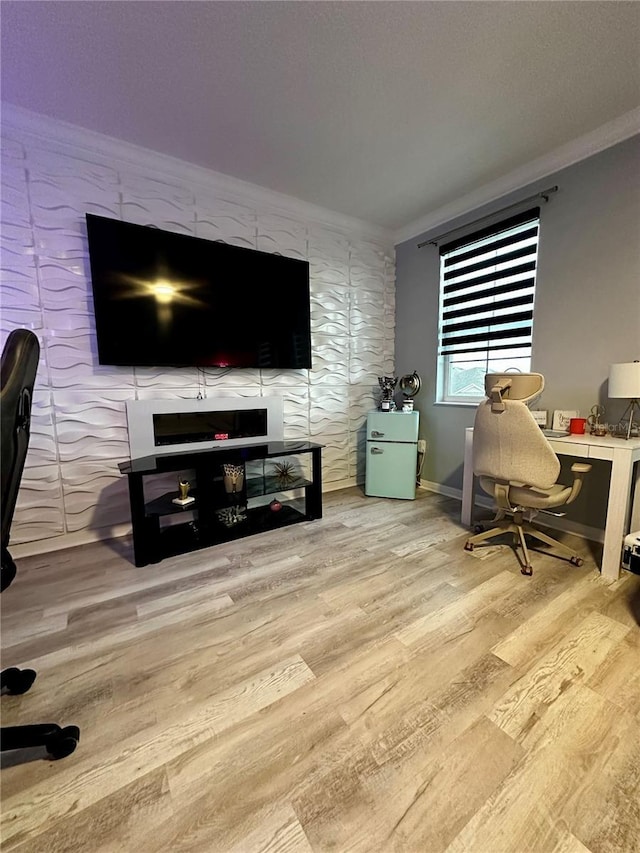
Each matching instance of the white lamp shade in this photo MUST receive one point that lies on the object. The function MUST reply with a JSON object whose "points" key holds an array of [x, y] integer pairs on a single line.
{"points": [[624, 380]]}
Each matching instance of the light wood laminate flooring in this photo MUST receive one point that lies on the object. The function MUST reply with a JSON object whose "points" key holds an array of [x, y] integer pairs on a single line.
{"points": [[358, 683]]}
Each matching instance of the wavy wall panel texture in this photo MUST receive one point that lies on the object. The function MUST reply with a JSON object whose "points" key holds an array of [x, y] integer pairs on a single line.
{"points": [[50, 180], [149, 200], [283, 378], [17, 273], [295, 405], [73, 363], [330, 360], [39, 510], [19, 279], [90, 429], [335, 461], [158, 379], [42, 442], [81, 485], [283, 236], [328, 257], [19, 319], [227, 378], [367, 360], [225, 220], [183, 393], [330, 311], [65, 288]]}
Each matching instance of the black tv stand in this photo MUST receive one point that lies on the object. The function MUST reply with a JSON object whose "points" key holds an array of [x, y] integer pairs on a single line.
{"points": [[207, 525]]}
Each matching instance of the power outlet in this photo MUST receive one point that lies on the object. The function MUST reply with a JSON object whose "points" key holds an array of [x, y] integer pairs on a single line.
{"points": [[422, 445]]}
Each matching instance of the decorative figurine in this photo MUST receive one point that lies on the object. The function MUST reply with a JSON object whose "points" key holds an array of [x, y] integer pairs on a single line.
{"points": [[409, 385], [184, 498], [284, 472], [596, 427], [231, 515], [388, 386]]}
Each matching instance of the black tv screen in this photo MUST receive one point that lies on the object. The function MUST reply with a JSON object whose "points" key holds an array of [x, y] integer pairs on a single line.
{"points": [[166, 299]]}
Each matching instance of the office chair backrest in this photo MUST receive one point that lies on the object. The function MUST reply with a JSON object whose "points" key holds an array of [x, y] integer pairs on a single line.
{"points": [[17, 377], [508, 445]]}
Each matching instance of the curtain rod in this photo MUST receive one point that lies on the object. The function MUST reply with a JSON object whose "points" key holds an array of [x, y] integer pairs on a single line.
{"points": [[544, 194]]}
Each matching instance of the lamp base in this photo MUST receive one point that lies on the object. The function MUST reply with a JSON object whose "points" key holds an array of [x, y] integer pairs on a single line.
{"points": [[631, 425]]}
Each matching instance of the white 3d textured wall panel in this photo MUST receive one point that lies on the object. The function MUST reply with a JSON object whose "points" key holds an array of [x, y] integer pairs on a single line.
{"points": [[52, 175]]}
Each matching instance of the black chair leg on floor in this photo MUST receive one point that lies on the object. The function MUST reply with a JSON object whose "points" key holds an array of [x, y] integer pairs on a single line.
{"points": [[58, 742], [14, 681]]}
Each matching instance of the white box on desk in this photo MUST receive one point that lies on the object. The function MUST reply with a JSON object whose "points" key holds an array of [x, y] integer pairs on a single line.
{"points": [[631, 553]]}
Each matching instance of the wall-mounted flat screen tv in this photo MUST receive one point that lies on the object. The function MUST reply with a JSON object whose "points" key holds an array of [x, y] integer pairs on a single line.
{"points": [[167, 299]]}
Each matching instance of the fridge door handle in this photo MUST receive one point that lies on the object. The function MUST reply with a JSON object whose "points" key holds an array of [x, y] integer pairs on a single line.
{"points": [[376, 434], [377, 450]]}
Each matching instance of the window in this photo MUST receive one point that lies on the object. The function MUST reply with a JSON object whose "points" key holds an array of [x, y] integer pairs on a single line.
{"points": [[487, 289]]}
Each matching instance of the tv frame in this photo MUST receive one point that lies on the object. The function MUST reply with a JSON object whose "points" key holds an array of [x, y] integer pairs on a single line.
{"points": [[187, 262]]}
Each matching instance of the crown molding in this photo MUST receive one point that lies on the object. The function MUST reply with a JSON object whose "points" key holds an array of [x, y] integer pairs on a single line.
{"points": [[59, 136], [609, 134]]}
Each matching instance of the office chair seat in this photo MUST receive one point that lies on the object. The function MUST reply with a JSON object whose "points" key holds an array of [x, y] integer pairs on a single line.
{"points": [[527, 496]]}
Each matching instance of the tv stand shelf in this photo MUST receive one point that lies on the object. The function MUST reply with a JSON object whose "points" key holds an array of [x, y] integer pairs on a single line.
{"points": [[153, 542]]}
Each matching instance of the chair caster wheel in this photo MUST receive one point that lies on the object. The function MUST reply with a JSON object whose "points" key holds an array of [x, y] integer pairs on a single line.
{"points": [[527, 570], [468, 546], [17, 681], [577, 561], [478, 528], [63, 742]]}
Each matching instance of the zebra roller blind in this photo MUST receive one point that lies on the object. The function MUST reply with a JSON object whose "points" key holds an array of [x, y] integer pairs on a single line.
{"points": [[487, 288]]}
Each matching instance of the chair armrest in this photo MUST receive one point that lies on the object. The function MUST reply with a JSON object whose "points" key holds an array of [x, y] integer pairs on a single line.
{"points": [[578, 469]]}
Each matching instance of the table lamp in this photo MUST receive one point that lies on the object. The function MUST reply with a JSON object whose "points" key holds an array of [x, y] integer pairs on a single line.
{"points": [[624, 383]]}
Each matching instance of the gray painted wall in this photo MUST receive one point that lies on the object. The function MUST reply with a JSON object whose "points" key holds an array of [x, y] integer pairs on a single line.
{"points": [[587, 310]]}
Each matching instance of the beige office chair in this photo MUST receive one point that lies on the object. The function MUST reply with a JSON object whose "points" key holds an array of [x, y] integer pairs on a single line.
{"points": [[517, 466]]}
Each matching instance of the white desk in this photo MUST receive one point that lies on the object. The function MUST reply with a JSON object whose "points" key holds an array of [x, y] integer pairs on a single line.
{"points": [[621, 517]]}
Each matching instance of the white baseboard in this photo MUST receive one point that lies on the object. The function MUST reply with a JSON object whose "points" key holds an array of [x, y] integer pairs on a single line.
{"points": [[439, 489], [593, 534], [68, 540], [340, 484]]}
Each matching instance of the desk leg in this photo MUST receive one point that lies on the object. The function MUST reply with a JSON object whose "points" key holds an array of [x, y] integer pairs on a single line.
{"points": [[466, 515], [635, 506], [618, 512]]}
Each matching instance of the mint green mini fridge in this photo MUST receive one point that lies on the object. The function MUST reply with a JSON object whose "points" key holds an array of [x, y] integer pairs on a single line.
{"points": [[392, 454]]}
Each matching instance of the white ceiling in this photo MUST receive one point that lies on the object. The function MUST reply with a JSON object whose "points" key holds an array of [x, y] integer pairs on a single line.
{"points": [[381, 110]]}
